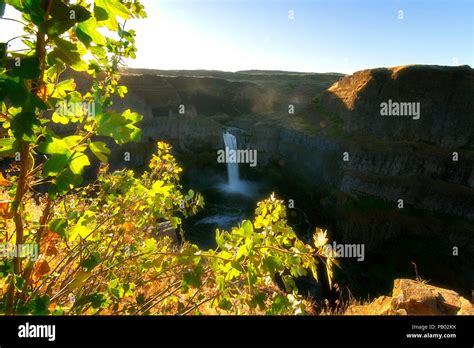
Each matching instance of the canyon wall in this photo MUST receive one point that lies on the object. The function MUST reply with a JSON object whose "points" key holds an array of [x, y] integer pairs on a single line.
{"points": [[388, 157], [427, 162]]}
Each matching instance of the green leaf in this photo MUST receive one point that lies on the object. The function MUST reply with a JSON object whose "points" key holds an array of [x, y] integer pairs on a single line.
{"points": [[248, 227], [28, 69], [74, 97], [30, 7], [8, 146], [56, 118], [98, 51], [112, 9], [116, 8], [279, 304], [80, 66], [78, 162], [100, 150], [58, 226], [54, 27], [19, 283], [54, 146], [81, 13], [29, 43], [54, 165], [119, 127], [80, 229], [96, 300], [132, 116], [22, 126], [225, 304], [63, 17], [58, 9], [72, 140], [259, 300], [60, 56], [66, 85], [39, 305], [87, 33], [272, 264], [193, 278], [100, 13], [63, 183], [220, 239], [92, 261], [14, 89], [150, 246], [66, 53]]}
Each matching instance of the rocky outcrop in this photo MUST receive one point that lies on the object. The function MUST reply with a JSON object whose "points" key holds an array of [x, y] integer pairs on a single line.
{"points": [[426, 162], [410, 297], [445, 96], [390, 158]]}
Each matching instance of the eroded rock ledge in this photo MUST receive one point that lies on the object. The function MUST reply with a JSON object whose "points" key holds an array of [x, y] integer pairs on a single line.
{"points": [[411, 297]]}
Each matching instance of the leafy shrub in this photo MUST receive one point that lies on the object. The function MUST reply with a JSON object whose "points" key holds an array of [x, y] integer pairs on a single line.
{"points": [[107, 251], [111, 247]]}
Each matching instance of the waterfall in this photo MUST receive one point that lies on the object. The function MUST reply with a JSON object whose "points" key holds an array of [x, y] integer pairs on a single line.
{"points": [[230, 142]]}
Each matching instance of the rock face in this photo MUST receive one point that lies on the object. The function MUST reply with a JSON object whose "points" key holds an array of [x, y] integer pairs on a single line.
{"points": [[199, 95], [390, 158], [410, 297], [445, 96], [190, 109], [427, 162]]}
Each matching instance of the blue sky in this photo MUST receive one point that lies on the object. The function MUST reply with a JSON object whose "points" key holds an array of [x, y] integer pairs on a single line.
{"points": [[324, 35]]}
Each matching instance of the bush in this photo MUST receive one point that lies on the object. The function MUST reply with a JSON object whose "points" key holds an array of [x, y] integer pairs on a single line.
{"points": [[105, 247], [107, 251]]}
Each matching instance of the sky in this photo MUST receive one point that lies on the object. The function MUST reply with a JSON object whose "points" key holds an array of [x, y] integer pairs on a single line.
{"points": [[300, 35]]}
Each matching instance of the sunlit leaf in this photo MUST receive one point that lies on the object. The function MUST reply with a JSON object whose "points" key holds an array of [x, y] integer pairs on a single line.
{"points": [[100, 150]]}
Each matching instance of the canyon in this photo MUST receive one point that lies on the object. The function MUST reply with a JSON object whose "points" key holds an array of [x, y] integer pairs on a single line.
{"points": [[322, 141]]}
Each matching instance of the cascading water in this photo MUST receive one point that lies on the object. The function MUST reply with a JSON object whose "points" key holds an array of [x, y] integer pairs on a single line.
{"points": [[233, 178], [228, 202]]}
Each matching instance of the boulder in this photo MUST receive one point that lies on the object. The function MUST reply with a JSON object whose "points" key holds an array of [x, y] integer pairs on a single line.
{"points": [[412, 297]]}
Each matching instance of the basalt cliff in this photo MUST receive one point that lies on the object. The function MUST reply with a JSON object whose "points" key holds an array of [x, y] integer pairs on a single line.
{"points": [[334, 132]]}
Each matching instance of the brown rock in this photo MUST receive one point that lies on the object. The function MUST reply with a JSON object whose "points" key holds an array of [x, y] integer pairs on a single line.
{"points": [[418, 298], [411, 297], [380, 306], [466, 307]]}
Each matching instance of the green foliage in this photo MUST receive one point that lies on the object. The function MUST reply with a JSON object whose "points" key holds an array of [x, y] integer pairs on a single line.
{"points": [[256, 252], [110, 247], [58, 36], [116, 257]]}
